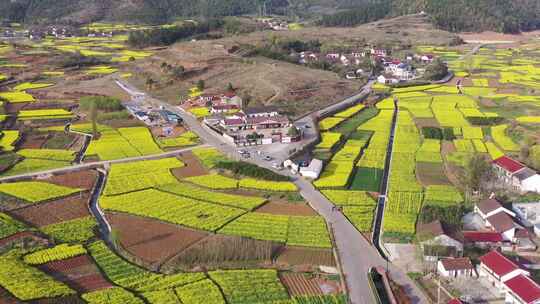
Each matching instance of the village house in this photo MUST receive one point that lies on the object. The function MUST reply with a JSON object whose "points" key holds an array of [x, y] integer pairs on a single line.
{"points": [[313, 170], [497, 218], [522, 289], [400, 70], [455, 267], [428, 58], [307, 57], [256, 125], [497, 269], [438, 240], [379, 52], [387, 80], [483, 239], [508, 279], [516, 175], [261, 112], [223, 108]]}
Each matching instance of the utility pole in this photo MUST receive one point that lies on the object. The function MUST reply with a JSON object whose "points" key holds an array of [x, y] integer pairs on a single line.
{"points": [[438, 290]]}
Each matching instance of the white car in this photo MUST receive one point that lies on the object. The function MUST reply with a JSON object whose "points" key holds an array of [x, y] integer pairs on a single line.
{"points": [[277, 166]]}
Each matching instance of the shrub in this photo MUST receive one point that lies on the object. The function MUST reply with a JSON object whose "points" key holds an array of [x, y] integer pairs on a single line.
{"points": [[432, 132], [247, 169]]}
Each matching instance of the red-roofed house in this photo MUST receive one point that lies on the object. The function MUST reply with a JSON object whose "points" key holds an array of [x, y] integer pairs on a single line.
{"points": [[483, 239], [455, 301], [522, 289], [516, 175], [497, 269], [507, 165]]}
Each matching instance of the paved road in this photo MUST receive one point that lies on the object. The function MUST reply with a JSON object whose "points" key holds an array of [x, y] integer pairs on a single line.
{"points": [[96, 164]]}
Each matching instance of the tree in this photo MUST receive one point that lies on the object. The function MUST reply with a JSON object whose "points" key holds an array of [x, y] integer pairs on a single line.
{"points": [[200, 85], [150, 83], [478, 173], [293, 131], [178, 71], [534, 156], [93, 117], [230, 87], [437, 70]]}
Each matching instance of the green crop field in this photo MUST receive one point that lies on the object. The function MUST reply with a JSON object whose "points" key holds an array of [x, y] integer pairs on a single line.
{"points": [[251, 183], [231, 200], [115, 295], [59, 252], [140, 175], [214, 181], [130, 276], [72, 231], [10, 226], [172, 208], [250, 286], [367, 179], [36, 192], [123, 143], [28, 283], [294, 230]]}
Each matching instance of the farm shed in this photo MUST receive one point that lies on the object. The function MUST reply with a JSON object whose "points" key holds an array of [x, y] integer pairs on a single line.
{"points": [[313, 170]]}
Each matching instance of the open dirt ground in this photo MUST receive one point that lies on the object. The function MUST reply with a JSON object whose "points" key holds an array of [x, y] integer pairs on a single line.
{"points": [[193, 166], [79, 179], [300, 285], [68, 208], [150, 240], [286, 209], [306, 256], [80, 273]]}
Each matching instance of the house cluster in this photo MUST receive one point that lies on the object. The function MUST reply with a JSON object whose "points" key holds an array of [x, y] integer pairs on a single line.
{"points": [[497, 230], [250, 126], [275, 24], [56, 31], [345, 59], [395, 70], [508, 279], [154, 117], [516, 175]]}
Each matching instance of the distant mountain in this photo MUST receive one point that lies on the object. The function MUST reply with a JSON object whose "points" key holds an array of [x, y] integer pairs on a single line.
{"points": [[452, 15], [476, 15], [144, 11]]}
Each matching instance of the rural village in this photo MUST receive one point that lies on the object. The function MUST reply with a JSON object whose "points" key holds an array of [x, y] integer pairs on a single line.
{"points": [[176, 175]]}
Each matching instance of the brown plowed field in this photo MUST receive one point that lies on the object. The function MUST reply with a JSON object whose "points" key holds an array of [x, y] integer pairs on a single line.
{"points": [[193, 166], [80, 273], [67, 208], [151, 240], [299, 285], [79, 179], [34, 141], [287, 209], [6, 297], [306, 256]]}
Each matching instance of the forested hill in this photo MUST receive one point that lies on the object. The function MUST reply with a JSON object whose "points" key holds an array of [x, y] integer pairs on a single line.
{"points": [[452, 15], [144, 11], [476, 15]]}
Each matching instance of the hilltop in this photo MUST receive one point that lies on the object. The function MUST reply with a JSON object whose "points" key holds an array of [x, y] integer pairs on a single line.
{"points": [[452, 15]]}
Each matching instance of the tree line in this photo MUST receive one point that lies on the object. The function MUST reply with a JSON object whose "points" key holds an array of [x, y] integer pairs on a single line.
{"points": [[507, 16], [170, 35]]}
